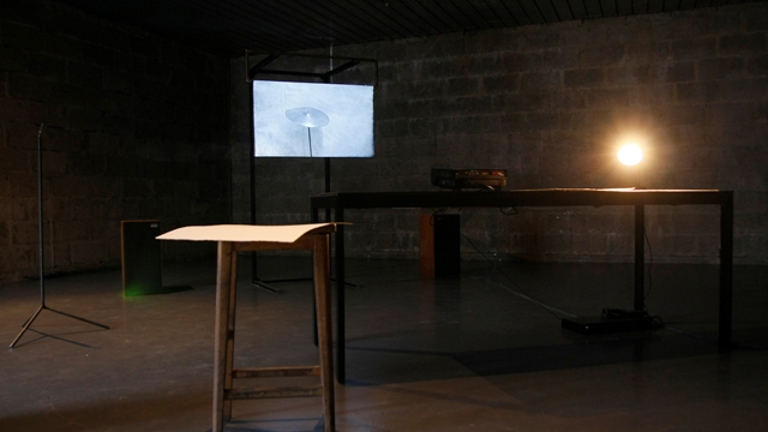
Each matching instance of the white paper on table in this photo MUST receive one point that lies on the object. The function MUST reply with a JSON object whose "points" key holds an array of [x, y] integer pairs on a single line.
{"points": [[243, 233]]}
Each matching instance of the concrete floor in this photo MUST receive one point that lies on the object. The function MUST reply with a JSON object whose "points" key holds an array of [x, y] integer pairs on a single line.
{"points": [[475, 353]]}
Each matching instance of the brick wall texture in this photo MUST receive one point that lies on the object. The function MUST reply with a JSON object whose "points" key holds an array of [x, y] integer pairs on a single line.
{"points": [[135, 128], [550, 104]]}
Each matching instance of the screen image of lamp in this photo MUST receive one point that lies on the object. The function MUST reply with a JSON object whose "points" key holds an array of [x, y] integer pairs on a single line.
{"points": [[309, 118]]}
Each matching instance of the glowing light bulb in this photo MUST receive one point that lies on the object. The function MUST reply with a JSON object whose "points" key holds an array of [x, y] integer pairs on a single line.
{"points": [[630, 154]]}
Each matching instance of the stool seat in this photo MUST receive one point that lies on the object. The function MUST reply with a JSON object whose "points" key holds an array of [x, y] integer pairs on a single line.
{"points": [[231, 239]]}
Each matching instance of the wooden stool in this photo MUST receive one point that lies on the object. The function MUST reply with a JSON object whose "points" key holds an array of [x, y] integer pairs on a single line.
{"points": [[232, 239]]}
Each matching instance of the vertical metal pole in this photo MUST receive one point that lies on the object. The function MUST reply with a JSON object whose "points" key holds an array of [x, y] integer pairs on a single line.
{"points": [[726, 270], [40, 223], [315, 339], [252, 188], [327, 186], [328, 160], [340, 298], [639, 257], [327, 175]]}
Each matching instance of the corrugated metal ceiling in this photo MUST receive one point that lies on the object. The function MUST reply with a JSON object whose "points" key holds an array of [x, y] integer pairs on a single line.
{"points": [[229, 27]]}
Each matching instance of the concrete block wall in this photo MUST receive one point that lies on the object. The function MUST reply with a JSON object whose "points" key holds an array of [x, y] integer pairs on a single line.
{"points": [[135, 128], [549, 104]]}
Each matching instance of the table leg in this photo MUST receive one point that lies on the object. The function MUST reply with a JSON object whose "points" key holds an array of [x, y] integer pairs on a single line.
{"points": [[230, 357], [322, 269], [639, 257], [225, 282], [726, 272]]}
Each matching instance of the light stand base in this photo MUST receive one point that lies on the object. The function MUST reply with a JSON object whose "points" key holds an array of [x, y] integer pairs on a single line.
{"points": [[32, 318], [613, 321]]}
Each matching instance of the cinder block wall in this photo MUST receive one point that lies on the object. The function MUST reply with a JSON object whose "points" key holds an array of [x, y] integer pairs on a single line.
{"points": [[549, 103], [135, 128]]}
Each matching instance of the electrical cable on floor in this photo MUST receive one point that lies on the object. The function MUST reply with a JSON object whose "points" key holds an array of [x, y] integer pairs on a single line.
{"points": [[713, 340], [520, 291], [548, 308], [693, 335], [658, 319]]}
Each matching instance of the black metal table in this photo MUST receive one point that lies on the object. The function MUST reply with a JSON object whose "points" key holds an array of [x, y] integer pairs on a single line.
{"points": [[337, 203]]}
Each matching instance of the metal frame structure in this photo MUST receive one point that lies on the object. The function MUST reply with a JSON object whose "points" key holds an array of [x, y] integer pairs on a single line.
{"points": [[261, 68]]}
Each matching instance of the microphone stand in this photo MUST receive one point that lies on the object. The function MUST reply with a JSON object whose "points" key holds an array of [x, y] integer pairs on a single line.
{"points": [[42, 306]]}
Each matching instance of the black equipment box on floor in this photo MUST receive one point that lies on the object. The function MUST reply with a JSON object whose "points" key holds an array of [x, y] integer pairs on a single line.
{"points": [[612, 321], [141, 258]]}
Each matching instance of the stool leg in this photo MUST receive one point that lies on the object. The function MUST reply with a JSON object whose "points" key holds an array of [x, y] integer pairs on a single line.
{"points": [[322, 265], [225, 283], [230, 357]]}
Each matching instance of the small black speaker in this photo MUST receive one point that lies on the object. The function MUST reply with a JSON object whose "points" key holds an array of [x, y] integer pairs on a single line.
{"points": [[141, 258]]}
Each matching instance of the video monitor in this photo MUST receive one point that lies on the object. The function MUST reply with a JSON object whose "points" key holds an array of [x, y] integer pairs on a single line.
{"points": [[297, 119]]}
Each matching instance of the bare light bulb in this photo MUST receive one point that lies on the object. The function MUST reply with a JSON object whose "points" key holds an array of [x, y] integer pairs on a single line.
{"points": [[630, 154]]}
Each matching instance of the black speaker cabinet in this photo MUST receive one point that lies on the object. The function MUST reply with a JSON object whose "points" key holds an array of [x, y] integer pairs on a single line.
{"points": [[141, 257], [440, 245]]}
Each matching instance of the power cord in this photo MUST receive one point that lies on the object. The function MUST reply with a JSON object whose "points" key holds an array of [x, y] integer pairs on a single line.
{"points": [[518, 291]]}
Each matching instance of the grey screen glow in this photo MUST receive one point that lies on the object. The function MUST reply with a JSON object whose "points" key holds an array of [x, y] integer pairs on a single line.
{"points": [[294, 119]]}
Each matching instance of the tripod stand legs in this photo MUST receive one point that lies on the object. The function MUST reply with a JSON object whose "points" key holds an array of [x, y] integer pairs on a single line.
{"points": [[41, 244], [26, 325], [42, 307]]}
